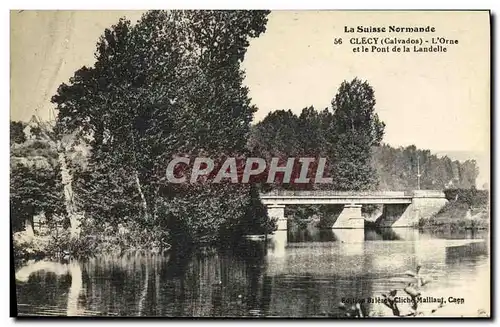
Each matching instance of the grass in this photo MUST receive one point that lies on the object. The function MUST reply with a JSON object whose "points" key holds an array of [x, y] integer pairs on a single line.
{"points": [[458, 215]]}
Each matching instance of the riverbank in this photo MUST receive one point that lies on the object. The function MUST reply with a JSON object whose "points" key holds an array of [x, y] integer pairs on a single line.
{"points": [[56, 243], [467, 209]]}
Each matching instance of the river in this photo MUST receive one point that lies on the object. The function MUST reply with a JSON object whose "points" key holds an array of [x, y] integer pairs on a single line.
{"points": [[302, 273]]}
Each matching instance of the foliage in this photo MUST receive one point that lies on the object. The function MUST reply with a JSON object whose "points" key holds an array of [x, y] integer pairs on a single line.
{"points": [[35, 182], [356, 129], [398, 168], [169, 85], [55, 241], [301, 215], [16, 132], [26, 248], [455, 223], [344, 135], [284, 134], [466, 209], [472, 197]]}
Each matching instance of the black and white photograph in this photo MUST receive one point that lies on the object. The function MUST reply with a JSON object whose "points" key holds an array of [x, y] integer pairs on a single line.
{"points": [[323, 164]]}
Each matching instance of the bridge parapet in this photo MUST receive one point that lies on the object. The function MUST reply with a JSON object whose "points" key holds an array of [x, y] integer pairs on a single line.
{"points": [[428, 194], [333, 197], [321, 193], [338, 193]]}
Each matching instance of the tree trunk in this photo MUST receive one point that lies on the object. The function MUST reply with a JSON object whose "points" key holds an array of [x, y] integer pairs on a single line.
{"points": [[137, 181], [28, 227], [143, 198], [74, 218]]}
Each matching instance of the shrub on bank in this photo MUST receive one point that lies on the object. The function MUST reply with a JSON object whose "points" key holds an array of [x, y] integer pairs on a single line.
{"points": [[466, 209], [58, 243], [472, 197], [454, 224], [26, 247]]}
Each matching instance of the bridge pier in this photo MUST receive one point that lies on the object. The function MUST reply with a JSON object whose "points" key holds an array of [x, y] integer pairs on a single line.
{"points": [[350, 217], [277, 211]]}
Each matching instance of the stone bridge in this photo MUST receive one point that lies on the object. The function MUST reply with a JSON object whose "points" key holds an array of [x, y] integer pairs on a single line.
{"points": [[400, 209]]}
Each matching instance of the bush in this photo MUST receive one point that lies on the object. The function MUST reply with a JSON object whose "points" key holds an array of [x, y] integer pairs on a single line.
{"points": [[125, 237], [471, 197], [26, 247]]}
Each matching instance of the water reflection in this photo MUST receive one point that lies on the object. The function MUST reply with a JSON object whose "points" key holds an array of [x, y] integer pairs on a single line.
{"points": [[349, 235], [310, 234], [293, 275], [72, 269], [392, 234]]}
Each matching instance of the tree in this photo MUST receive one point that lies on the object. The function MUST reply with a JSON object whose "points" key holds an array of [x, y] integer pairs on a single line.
{"points": [[468, 172], [16, 132], [356, 128], [170, 84], [35, 182], [397, 169], [276, 135]]}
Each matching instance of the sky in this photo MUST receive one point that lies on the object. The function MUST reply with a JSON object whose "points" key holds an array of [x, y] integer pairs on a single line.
{"points": [[437, 101]]}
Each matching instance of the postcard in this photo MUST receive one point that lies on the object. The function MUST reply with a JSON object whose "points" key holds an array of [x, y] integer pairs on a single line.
{"points": [[250, 163]]}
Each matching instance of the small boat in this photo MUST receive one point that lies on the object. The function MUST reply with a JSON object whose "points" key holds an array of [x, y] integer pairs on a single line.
{"points": [[256, 237]]}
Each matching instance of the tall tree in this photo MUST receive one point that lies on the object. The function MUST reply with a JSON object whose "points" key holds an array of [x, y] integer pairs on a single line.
{"points": [[356, 129]]}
